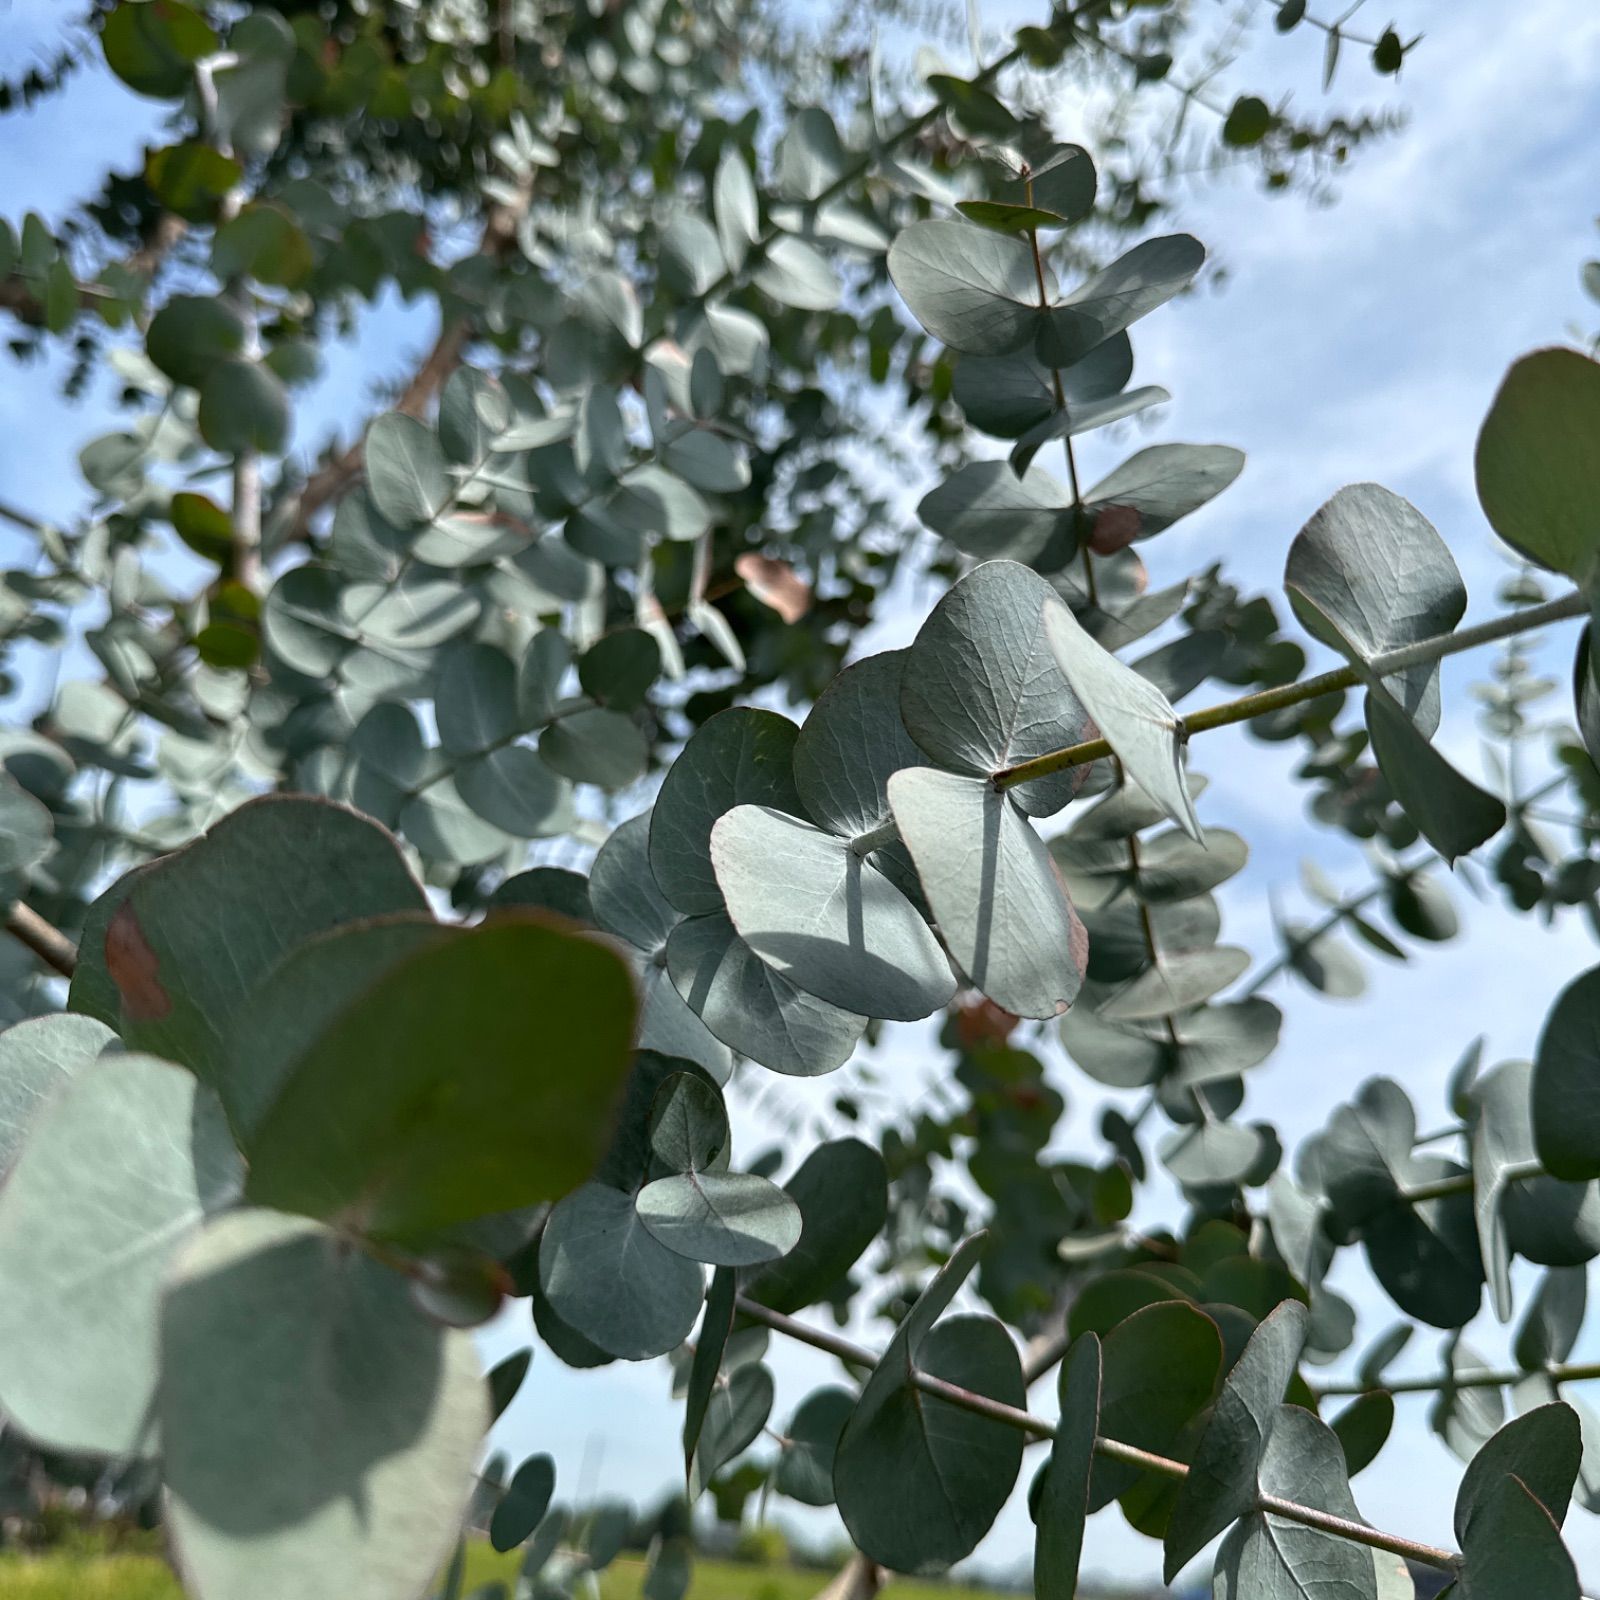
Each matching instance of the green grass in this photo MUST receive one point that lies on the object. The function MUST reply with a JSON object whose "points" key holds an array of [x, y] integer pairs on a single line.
{"points": [[56, 1576]]}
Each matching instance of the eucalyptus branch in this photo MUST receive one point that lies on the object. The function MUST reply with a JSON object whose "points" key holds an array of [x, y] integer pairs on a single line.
{"points": [[1328, 27], [855, 171], [1037, 1428], [1474, 1378], [23, 519], [1346, 908], [1382, 665], [1461, 1182], [44, 939]]}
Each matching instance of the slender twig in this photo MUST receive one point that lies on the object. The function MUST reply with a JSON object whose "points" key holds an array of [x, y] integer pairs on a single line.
{"points": [[1472, 1378], [1113, 1449], [1462, 1182], [46, 941], [1384, 664], [1328, 27], [1337, 914], [23, 519], [885, 833], [854, 172]]}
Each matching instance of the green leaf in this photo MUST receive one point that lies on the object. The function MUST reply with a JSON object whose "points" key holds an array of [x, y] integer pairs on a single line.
{"points": [[547, 889], [795, 273], [689, 1125], [1172, 867], [38, 1058], [191, 334], [475, 701], [524, 1503], [26, 832], [1369, 573], [1552, 1321], [752, 1008], [1451, 812], [994, 892], [1064, 1497], [1160, 1370], [805, 1468], [1543, 1448], [850, 745], [918, 1481], [1154, 489], [619, 668], [271, 874], [810, 156], [1131, 713], [422, 1106], [251, 90], [263, 242], [1515, 1549], [986, 509], [300, 998], [982, 688], [407, 475], [842, 1192], [1175, 982], [1538, 478], [1006, 218], [1502, 1137], [625, 901], [1270, 1556], [1363, 1428], [439, 822], [623, 892], [1114, 298], [706, 1363], [971, 288], [597, 746], [1426, 1256], [513, 790], [1566, 1086], [1009, 396], [738, 757], [1466, 1417], [606, 1276], [127, 1157], [737, 1412], [244, 407], [318, 1434], [691, 257], [1062, 178], [1248, 122], [203, 525], [1221, 1485], [735, 204], [671, 1568], [829, 921], [1212, 1153], [505, 1379], [153, 47], [726, 1219]]}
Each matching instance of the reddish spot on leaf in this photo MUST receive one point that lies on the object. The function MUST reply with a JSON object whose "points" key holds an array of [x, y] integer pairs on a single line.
{"points": [[135, 968], [775, 584], [1115, 529], [1078, 939]]}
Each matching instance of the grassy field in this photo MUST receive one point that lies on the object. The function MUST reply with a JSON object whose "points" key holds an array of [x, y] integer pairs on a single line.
{"points": [[146, 1577]]}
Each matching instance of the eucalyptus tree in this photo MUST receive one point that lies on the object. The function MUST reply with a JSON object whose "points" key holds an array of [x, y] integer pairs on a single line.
{"points": [[324, 1048]]}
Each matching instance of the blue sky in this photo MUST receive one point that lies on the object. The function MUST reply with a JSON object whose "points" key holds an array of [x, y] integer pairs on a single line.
{"points": [[1359, 341]]}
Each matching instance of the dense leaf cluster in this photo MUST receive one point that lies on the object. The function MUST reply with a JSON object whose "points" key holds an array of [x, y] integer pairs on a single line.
{"points": [[431, 863]]}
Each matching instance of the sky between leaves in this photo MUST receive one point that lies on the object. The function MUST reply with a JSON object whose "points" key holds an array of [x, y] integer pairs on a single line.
{"points": [[1361, 341]]}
